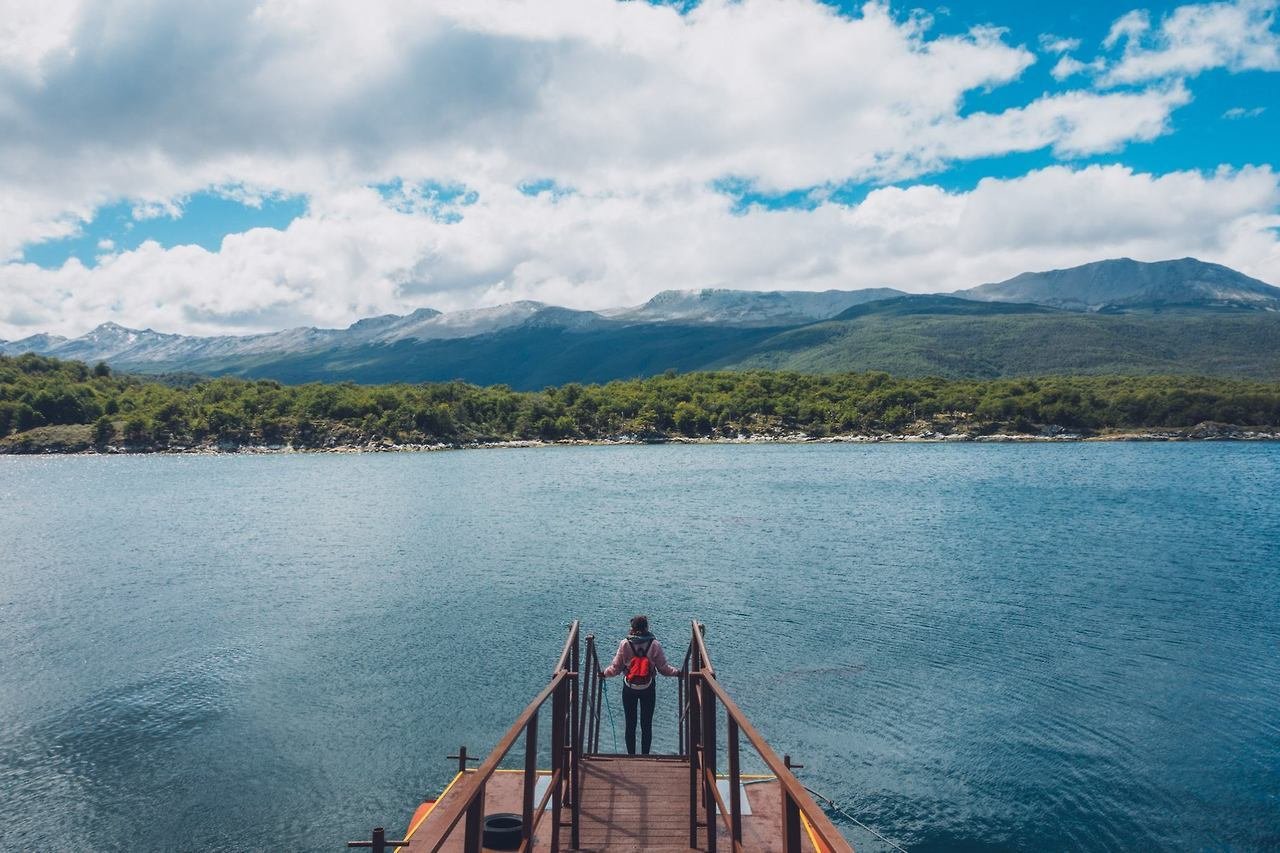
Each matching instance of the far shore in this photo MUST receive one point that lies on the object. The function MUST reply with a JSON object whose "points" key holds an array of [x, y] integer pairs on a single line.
{"points": [[1200, 432]]}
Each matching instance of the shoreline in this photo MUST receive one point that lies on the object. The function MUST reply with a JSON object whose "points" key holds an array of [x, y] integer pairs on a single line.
{"points": [[1199, 433]]}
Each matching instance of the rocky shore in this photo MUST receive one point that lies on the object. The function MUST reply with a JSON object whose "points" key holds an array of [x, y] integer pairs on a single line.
{"points": [[78, 440]]}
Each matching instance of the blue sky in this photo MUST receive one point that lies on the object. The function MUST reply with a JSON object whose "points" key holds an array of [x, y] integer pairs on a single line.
{"points": [[592, 152], [202, 219], [1199, 138], [1202, 135]]}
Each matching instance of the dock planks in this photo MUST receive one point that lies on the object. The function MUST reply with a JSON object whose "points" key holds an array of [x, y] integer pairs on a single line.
{"points": [[632, 804]]}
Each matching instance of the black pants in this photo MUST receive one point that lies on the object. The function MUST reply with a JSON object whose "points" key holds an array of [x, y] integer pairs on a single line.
{"points": [[639, 700]]}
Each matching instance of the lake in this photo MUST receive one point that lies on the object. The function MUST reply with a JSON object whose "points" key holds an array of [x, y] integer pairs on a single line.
{"points": [[1050, 646]]}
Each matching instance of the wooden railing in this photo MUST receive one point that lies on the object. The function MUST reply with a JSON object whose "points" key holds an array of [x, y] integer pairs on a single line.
{"points": [[576, 694], [699, 728], [568, 728]]}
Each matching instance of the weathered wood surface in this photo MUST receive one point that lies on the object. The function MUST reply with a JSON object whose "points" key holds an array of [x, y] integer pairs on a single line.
{"points": [[635, 804], [631, 805]]}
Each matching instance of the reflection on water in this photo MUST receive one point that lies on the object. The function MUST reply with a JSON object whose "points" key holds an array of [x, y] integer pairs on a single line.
{"points": [[983, 648]]}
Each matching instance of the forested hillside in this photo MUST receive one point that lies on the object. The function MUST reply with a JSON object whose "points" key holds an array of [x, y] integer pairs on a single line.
{"points": [[47, 404], [914, 339]]}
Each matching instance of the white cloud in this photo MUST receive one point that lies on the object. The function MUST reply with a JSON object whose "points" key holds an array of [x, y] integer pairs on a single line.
{"points": [[151, 101], [1237, 36], [354, 255], [1050, 43], [1072, 123], [1242, 112], [32, 34], [635, 106], [1069, 66], [1127, 27]]}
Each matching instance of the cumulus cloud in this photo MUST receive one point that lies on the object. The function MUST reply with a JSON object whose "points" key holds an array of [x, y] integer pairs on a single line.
{"points": [[154, 100], [355, 254], [1237, 36], [579, 88], [1069, 66], [1128, 26], [32, 32], [1050, 43], [638, 108], [1072, 123]]}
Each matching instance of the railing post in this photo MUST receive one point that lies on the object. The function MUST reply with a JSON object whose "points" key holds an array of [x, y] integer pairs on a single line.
{"points": [[575, 739], [557, 762], [709, 760], [702, 638], [530, 778], [473, 838], [693, 730], [735, 780], [680, 708], [586, 675], [790, 817], [378, 843], [595, 734], [462, 758]]}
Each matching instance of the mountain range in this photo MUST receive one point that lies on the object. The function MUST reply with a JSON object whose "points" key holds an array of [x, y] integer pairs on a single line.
{"points": [[1114, 316]]}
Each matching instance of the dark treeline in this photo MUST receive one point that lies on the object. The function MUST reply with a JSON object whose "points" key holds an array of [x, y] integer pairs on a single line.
{"points": [[38, 392]]}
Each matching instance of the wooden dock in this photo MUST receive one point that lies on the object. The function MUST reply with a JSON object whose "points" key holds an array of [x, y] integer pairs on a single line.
{"points": [[635, 804], [629, 804], [596, 802]]}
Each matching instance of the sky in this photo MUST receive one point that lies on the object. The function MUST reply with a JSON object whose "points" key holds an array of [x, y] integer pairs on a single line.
{"points": [[251, 165]]}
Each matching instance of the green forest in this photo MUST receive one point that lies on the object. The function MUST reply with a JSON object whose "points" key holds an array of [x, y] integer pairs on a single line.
{"points": [[48, 404]]}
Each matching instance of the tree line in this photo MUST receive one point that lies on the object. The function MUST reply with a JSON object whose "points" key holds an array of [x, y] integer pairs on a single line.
{"points": [[37, 391]]}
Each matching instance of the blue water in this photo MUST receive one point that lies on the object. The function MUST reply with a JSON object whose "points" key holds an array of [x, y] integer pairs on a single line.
{"points": [[970, 647]]}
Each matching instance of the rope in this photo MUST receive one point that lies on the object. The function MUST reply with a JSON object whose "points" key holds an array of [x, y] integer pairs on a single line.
{"points": [[832, 804], [604, 687]]}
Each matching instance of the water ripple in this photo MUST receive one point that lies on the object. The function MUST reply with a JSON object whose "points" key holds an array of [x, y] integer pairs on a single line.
{"points": [[971, 648]]}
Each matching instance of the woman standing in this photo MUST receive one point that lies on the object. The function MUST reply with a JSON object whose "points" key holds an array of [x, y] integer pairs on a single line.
{"points": [[639, 655]]}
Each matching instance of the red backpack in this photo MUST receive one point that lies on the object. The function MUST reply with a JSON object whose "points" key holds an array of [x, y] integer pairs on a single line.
{"points": [[640, 670]]}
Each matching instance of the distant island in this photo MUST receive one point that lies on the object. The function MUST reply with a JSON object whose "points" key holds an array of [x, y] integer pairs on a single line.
{"points": [[1112, 317], [56, 406]]}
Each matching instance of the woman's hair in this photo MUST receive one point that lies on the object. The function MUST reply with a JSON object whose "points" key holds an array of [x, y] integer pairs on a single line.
{"points": [[639, 624]]}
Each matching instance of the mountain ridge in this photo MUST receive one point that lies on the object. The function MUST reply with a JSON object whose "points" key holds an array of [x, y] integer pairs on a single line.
{"points": [[989, 330], [1123, 283]]}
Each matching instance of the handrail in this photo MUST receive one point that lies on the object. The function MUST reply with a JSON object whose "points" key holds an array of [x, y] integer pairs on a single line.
{"points": [[683, 698], [475, 779], [724, 810], [562, 662], [564, 750], [593, 689], [577, 698], [527, 844], [702, 748], [700, 642], [817, 818]]}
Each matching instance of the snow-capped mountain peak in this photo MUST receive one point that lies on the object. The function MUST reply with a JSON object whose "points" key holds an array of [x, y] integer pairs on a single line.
{"points": [[749, 307]]}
